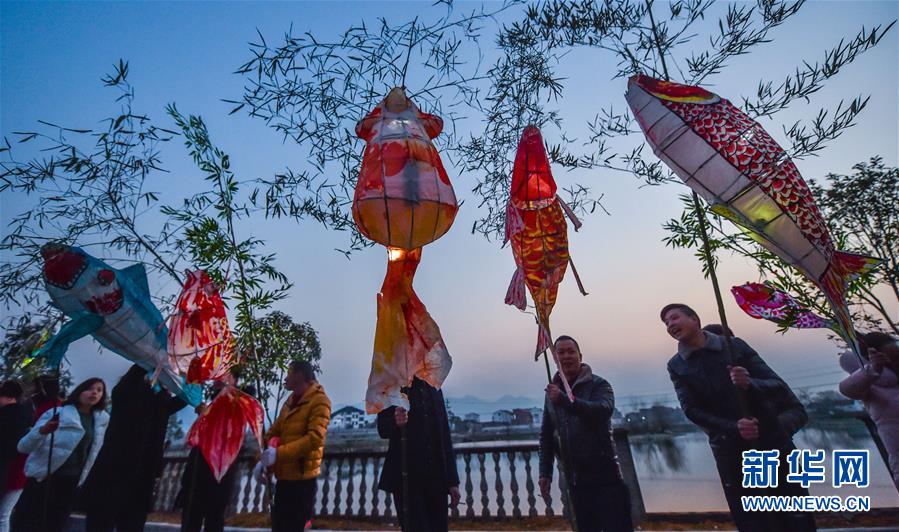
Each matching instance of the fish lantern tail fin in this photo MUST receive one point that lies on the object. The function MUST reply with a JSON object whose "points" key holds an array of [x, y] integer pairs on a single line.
{"points": [[543, 342], [852, 265], [515, 294], [408, 343], [845, 267]]}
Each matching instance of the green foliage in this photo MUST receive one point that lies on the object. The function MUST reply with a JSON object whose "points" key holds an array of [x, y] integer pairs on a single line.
{"points": [[211, 243], [92, 190], [313, 90], [23, 337], [281, 341]]}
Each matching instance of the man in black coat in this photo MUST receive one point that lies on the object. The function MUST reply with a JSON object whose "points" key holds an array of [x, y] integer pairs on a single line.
{"points": [[707, 385], [118, 493], [584, 430], [430, 461]]}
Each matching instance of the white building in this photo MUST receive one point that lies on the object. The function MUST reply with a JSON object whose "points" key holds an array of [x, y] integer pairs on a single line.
{"points": [[502, 416], [537, 416], [348, 417]]}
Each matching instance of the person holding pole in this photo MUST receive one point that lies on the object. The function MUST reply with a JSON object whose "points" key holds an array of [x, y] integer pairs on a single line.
{"points": [[708, 383], [876, 385], [55, 472], [420, 467], [597, 490], [301, 428], [119, 490]]}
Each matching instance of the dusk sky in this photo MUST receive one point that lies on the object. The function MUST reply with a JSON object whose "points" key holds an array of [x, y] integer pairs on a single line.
{"points": [[53, 55]]}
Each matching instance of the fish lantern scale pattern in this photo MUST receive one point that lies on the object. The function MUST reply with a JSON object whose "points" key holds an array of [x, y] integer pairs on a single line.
{"points": [[733, 163]]}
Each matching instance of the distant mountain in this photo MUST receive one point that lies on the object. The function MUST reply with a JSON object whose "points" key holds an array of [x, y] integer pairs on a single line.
{"points": [[469, 403], [485, 408]]}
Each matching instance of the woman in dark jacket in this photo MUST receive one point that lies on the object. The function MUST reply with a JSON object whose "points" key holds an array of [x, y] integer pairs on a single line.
{"points": [[119, 491]]}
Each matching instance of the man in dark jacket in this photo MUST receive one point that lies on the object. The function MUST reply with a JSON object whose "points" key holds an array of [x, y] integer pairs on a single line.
{"points": [[429, 461], [119, 490], [708, 387], [580, 432]]}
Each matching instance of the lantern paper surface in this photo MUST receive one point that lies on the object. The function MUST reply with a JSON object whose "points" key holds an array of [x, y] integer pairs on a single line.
{"points": [[735, 165], [403, 197], [764, 302], [219, 431], [114, 307], [536, 228], [200, 344], [404, 200]]}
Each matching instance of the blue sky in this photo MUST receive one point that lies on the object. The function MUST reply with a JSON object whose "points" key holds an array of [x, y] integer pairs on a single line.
{"points": [[53, 55]]}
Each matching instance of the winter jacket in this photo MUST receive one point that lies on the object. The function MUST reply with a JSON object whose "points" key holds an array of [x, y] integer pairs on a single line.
{"points": [[880, 395], [585, 429], [430, 458], [15, 421], [709, 399], [131, 457], [66, 438], [301, 428]]}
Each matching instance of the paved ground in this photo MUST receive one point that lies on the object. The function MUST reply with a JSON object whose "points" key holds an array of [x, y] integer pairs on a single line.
{"points": [[76, 524]]}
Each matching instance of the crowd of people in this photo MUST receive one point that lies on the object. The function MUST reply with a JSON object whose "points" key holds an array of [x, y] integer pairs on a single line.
{"points": [[58, 454]]}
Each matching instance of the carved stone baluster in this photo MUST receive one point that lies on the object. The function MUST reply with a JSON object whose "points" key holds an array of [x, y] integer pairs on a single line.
{"points": [[267, 495], [247, 490], [388, 501], [376, 469], [513, 485], [529, 485], [485, 500], [259, 488], [498, 484], [469, 489], [362, 487], [326, 487], [338, 487], [348, 511], [239, 469]]}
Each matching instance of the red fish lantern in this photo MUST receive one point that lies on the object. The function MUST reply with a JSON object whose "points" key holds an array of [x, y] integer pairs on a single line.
{"points": [[219, 431], [403, 200], [201, 347], [200, 344], [764, 302], [536, 228]]}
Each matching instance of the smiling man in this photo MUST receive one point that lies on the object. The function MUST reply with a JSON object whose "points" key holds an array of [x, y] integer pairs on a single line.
{"points": [[706, 384], [582, 430]]}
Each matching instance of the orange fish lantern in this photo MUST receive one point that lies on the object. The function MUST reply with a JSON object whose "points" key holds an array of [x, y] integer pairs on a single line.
{"points": [[403, 200], [200, 344], [218, 432], [536, 228]]}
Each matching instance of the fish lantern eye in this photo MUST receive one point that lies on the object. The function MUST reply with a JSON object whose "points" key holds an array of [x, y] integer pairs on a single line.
{"points": [[105, 277]]}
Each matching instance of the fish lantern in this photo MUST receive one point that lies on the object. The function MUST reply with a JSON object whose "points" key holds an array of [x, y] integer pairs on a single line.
{"points": [[403, 200], [200, 343], [219, 430], [114, 307], [538, 233], [764, 302], [733, 163], [201, 347]]}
